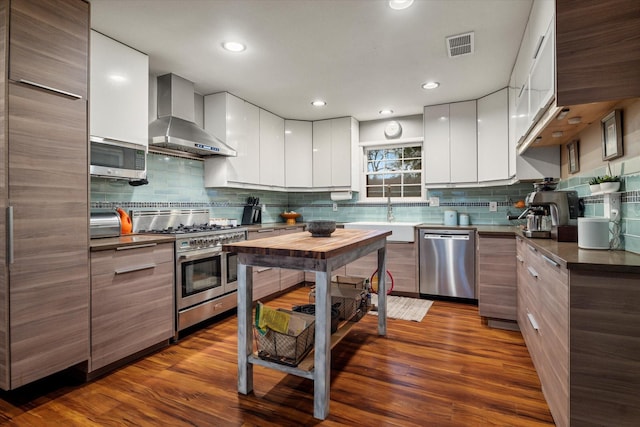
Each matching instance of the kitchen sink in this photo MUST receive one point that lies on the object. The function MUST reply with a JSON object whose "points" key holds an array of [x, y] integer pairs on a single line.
{"points": [[401, 231]]}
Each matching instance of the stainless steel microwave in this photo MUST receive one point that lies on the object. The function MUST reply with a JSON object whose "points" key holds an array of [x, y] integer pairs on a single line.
{"points": [[118, 159]]}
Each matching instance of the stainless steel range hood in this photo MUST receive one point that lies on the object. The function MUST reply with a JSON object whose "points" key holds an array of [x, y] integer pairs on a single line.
{"points": [[175, 127]]}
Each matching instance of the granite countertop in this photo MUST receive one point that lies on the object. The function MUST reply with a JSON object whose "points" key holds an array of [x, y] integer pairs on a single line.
{"points": [[107, 243]]}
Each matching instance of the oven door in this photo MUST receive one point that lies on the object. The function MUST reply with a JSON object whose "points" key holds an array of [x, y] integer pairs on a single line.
{"points": [[200, 276], [232, 271]]}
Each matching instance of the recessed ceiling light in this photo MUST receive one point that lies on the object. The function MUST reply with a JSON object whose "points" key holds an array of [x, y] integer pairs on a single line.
{"points": [[400, 4], [430, 85], [385, 112], [234, 46], [318, 103]]}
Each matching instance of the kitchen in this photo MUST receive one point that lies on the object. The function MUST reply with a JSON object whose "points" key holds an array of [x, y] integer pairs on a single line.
{"points": [[179, 181]]}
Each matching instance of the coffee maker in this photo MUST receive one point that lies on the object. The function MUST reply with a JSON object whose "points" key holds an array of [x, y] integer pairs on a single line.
{"points": [[551, 214], [562, 207]]}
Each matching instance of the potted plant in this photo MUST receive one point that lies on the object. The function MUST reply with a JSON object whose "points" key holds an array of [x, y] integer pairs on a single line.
{"points": [[594, 184], [610, 183]]}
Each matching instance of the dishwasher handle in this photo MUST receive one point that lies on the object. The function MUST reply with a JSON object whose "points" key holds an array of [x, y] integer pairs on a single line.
{"points": [[446, 236]]}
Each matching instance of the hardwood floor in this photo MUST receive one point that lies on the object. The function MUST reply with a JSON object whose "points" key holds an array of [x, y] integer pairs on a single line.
{"points": [[448, 370]]}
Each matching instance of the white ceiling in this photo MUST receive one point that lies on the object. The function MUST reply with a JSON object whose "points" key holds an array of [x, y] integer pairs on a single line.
{"points": [[358, 55]]}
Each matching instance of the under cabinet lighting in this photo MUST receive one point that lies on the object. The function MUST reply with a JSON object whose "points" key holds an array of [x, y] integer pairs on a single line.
{"points": [[563, 113], [557, 134], [574, 120]]}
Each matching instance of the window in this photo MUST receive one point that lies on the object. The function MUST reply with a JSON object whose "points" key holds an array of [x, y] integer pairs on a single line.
{"points": [[399, 167]]}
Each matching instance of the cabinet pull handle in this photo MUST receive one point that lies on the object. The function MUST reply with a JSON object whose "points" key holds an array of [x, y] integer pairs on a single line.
{"points": [[519, 258], [532, 272], [50, 89], [537, 49], [10, 234], [533, 322], [550, 261], [268, 230], [145, 245], [532, 249], [263, 269], [132, 269], [291, 228]]}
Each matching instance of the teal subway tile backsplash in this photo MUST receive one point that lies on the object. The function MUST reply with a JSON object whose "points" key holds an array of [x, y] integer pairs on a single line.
{"points": [[176, 182]]}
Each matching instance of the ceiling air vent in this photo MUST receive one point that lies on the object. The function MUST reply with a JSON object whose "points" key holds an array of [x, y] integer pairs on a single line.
{"points": [[459, 45]]}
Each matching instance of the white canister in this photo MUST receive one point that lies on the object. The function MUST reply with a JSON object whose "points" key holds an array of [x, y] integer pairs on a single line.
{"points": [[450, 218], [593, 233], [464, 219]]}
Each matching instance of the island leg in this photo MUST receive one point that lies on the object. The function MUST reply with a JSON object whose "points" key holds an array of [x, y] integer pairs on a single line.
{"points": [[245, 342], [382, 291], [322, 355]]}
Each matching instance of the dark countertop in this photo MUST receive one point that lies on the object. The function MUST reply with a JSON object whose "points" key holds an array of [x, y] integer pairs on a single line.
{"points": [[272, 225], [107, 243]]}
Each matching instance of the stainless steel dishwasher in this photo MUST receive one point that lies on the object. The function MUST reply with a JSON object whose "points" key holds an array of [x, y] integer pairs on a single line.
{"points": [[447, 263]]}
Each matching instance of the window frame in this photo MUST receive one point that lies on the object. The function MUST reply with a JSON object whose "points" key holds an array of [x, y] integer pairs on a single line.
{"points": [[406, 142]]}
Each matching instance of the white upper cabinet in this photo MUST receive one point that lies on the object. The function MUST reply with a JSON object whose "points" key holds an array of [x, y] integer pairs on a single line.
{"points": [[493, 137], [436, 144], [322, 153], [334, 162], [119, 85], [533, 76], [271, 149], [237, 123], [463, 135], [298, 154], [542, 77], [450, 143]]}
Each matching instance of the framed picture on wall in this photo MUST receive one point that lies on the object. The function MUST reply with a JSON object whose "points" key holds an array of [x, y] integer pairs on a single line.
{"points": [[574, 156], [612, 135]]}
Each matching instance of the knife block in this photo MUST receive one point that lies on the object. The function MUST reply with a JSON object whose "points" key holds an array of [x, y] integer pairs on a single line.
{"points": [[251, 215]]}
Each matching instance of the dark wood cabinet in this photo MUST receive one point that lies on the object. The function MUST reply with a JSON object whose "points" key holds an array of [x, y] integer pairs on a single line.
{"points": [[497, 277], [132, 301], [50, 44], [44, 271], [597, 50]]}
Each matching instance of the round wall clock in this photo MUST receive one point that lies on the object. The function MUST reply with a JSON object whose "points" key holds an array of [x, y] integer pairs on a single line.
{"points": [[392, 129]]}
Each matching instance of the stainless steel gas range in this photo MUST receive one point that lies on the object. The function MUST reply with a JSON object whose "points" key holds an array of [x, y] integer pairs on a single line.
{"points": [[203, 271]]}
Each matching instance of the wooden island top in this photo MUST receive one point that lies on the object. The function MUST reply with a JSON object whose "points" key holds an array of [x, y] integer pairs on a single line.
{"points": [[303, 245], [322, 255]]}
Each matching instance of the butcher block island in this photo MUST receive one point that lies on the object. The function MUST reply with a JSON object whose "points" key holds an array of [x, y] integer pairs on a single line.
{"points": [[301, 251]]}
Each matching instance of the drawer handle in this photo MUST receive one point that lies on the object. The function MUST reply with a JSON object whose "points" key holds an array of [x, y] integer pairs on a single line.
{"points": [[138, 268], [263, 269], [550, 261], [50, 89], [532, 249], [126, 248], [533, 322], [519, 258], [532, 272], [269, 230]]}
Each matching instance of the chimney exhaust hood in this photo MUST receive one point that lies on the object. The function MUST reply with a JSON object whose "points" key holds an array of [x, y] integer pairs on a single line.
{"points": [[175, 127]]}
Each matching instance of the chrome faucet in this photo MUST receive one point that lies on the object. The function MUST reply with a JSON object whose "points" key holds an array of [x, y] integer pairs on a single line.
{"points": [[389, 207]]}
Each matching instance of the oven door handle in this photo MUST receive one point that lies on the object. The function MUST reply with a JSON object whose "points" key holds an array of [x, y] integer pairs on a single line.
{"points": [[199, 255]]}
